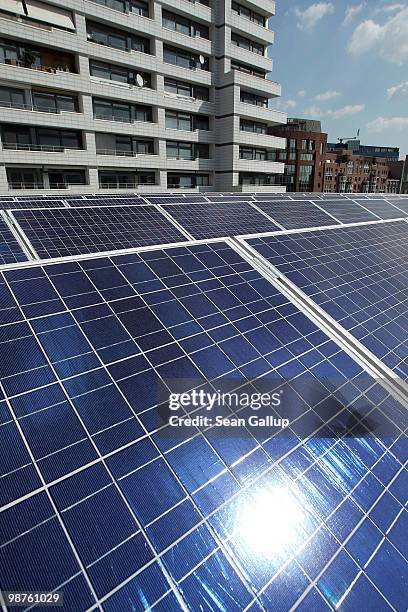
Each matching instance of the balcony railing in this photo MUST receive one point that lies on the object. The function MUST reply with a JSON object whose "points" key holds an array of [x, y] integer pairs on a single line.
{"points": [[34, 107], [40, 185], [120, 153], [119, 119], [125, 185], [15, 146], [24, 185], [50, 69], [186, 157]]}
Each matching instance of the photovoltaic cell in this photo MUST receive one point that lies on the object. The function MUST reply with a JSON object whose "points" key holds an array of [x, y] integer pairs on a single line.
{"points": [[40, 203], [220, 219], [358, 275], [176, 199], [10, 250], [382, 208], [231, 197], [347, 211], [296, 215], [108, 201], [73, 231], [112, 511]]}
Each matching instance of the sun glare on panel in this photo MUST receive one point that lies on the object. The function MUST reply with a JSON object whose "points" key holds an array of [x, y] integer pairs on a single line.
{"points": [[270, 521]]}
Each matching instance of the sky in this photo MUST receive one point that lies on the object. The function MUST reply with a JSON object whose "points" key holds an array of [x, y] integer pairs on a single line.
{"points": [[345, 62]]}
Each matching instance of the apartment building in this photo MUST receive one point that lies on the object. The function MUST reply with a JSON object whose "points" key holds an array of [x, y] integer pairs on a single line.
{"points": [[346, 173], [304, 154], [137, 94]]}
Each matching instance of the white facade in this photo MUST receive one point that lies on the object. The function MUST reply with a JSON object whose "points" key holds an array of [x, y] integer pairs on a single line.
{"points": [[140, 95]]}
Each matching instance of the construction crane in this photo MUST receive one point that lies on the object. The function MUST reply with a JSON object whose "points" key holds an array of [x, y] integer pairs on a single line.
{"points": [[352, 138]]}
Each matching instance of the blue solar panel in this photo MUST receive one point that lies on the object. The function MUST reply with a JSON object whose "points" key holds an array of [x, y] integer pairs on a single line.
{"points": [[296, 215], [108, 201], [381, 208], [358, 275], [73, 231], [177, 199], [97, 503], [220, 219], [347, 211], [10, 250], [34, 203]]}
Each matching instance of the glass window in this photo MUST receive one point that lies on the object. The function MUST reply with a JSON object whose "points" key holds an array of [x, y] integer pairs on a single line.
{"points": [[140, 8], [11, 97], [201, 122]]}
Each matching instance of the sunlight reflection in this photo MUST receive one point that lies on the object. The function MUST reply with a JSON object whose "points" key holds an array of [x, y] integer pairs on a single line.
{"points": [[270, 521]]}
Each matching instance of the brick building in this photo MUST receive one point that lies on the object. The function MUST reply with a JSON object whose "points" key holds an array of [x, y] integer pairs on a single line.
{"points": [[304, 155], [346, 173]]}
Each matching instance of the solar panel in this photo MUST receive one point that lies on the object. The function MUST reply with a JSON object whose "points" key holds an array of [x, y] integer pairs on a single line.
{"points": [[119, 515], [178, 199], [44, 203], [382, 208], [108, 201], [74, 231], [296, 215], [10, 250], [230, 197], [358, 275], [347, 211], [219, 219]]}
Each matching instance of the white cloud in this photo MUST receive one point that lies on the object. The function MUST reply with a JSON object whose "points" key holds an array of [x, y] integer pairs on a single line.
{"points": [[301, 93], [346, 111], [398, 91], [382, 124], [352, 12], [390, 8], [390, 40], [284, 105], [327, 95], [313, 111], [308, 18]]}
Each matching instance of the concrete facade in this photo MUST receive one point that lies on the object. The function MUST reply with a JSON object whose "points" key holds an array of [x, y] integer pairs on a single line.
{"points": [[142, 95]]}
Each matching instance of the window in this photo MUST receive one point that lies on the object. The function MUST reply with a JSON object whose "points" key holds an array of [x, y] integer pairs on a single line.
{"points": [[184, 59], [112, 72], [183, 25], [187, 181], [25, 137], [187, 150], [254, 153], [253, 126], [12, 98], [243, 11], [250, 98], [118, 111], [131, 145], [66, 139], [186, 122], [54, 103], [247, 69], [117, 39], [181, 88], [126, 178], [247, 44], [306, 156]]}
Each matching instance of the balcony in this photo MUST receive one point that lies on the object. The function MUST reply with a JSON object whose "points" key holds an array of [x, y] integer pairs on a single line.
{"points": [[189, 7], [251, 29], [259, 113], [268, 7], [245, 56], [260, 166], [36, 109], [264, 141]]}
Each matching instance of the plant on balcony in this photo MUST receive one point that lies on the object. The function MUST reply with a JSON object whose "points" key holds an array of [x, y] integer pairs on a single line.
{"points": [[28, 58]]}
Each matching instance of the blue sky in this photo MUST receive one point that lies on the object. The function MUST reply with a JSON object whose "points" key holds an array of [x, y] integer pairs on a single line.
{"points": [[345, 62]]}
